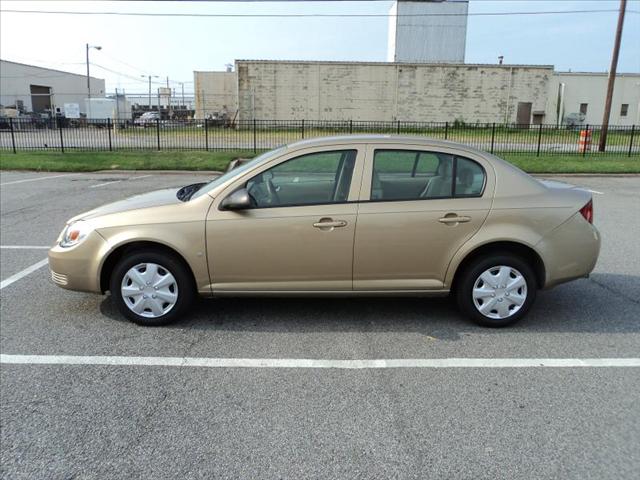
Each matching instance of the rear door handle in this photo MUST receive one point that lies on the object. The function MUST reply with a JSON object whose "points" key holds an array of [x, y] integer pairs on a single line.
{"points": [[327, 223], [452, 219]]}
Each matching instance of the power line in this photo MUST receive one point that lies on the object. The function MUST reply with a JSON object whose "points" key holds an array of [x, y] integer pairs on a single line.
{"points": [[176, 82], [137, 69], [309, 15], [131, 77]]}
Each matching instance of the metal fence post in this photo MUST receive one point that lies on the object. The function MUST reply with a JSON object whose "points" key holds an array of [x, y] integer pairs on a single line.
{"points": [[398, 129], [350, 127], [61, 140], [493, 135], [446, 130], [13, 137], [109, 130], [303, 128], [539, 140], [206, 134], [255, 148], [158, 132], [633, 129]]}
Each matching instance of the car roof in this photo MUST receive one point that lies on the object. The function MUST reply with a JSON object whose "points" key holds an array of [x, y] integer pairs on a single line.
{"points": [[382, 139], [500, 166]]}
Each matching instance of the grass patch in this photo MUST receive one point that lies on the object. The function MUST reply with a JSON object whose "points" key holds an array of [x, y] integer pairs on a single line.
{"points": [[218, 160], [143, 160], [596, 163]]}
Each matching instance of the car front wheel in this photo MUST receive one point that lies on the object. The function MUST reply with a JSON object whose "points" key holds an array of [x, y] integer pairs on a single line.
{"points": [[151, 288], [497, 291]]}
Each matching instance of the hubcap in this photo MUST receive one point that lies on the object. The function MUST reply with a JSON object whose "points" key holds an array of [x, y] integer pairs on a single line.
{"points": [[149, 290], [499, 292]]}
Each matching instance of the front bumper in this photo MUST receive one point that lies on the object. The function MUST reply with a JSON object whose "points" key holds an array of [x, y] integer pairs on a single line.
{"points": [[78, 268]]}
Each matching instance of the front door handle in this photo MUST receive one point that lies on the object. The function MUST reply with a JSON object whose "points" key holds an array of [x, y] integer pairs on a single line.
{"points": [[329, 224], [453, 218]]}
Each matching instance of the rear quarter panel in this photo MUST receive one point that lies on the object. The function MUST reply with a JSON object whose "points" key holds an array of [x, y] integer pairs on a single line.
{"points": [[523, 211]]}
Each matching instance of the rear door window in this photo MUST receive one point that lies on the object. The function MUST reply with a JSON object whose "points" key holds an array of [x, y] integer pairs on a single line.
{"points": [[423, 175], [411, 175]]}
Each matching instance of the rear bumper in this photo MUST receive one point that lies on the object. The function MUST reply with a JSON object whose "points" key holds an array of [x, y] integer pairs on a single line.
{"points": [[570, 251], [78, 268]]}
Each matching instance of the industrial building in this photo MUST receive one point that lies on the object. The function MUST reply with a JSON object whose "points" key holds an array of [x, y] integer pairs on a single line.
{"points": [[31, 89], [523, 94]]}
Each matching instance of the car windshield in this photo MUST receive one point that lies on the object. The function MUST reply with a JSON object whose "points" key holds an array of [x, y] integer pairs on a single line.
{"points": [[236, 171]]}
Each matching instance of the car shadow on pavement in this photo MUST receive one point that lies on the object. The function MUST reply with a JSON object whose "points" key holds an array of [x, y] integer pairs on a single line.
{"points": [[603, 303]]}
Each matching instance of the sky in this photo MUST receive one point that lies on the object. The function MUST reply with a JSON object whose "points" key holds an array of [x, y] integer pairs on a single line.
{"points": [[175, 47]]}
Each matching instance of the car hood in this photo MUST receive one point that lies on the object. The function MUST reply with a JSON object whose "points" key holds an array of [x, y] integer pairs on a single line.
{"points": [[146, 200]]}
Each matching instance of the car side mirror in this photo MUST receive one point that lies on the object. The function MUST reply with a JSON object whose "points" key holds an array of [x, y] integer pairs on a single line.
{"points": [[238, 200]]}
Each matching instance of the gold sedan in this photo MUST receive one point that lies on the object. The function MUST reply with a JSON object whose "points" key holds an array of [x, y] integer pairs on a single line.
{"points": [[353, 215]]}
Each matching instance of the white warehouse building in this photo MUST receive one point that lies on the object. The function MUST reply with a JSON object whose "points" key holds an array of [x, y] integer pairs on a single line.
{"points": [[583, 93], [29, 88]]}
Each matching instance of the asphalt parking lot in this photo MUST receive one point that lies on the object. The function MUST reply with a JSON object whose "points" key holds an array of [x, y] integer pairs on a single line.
{"points": [[153, 421]]}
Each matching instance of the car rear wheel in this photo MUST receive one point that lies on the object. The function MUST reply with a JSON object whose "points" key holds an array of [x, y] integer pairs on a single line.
{"points": [[151, 288], [497, 291]]}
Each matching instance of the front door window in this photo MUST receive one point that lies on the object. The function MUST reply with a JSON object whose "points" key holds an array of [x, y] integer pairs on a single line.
{"points": [[313, 179]]}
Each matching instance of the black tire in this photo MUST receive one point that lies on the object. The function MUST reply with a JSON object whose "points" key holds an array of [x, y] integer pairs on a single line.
{"points": [[464, 292], [185, 286]]}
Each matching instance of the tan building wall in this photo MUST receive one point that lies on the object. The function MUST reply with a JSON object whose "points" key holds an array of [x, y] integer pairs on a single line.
{"points": [[286, 90], [589, 89], [215, 91]]}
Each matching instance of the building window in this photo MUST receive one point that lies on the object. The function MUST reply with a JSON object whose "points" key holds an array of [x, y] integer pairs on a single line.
{"points": [[583, 108], [624, 109]]}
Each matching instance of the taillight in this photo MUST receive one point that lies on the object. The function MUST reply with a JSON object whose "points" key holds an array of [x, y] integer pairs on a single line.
{"points": [[587, 211]]}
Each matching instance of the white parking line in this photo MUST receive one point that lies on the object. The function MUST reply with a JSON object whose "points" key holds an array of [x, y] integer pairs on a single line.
{"points": [[25, 247], [596, 192], [38, 179], [105, 183], [317, 363], [23, 273], [141, 176]]}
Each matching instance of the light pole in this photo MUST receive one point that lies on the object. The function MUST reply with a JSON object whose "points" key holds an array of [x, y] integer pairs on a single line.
{"points": [[150, 77], [88, 77]]}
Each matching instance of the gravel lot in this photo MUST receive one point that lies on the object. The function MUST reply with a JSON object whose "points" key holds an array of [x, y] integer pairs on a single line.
{"points": [[97, 421]]}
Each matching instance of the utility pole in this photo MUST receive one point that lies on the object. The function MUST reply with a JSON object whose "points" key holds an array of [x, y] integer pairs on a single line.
{"points": [[150, 77], [612, 78]]}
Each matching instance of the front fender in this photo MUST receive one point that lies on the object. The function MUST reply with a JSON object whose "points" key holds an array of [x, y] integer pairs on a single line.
{"points": [[185, 238]]}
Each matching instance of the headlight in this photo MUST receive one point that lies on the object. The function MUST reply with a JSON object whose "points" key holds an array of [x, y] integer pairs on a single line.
{"points": [[74, 233]]}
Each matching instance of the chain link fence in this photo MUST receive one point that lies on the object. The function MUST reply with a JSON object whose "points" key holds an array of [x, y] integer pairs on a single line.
{"points": [[20, 134]]}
